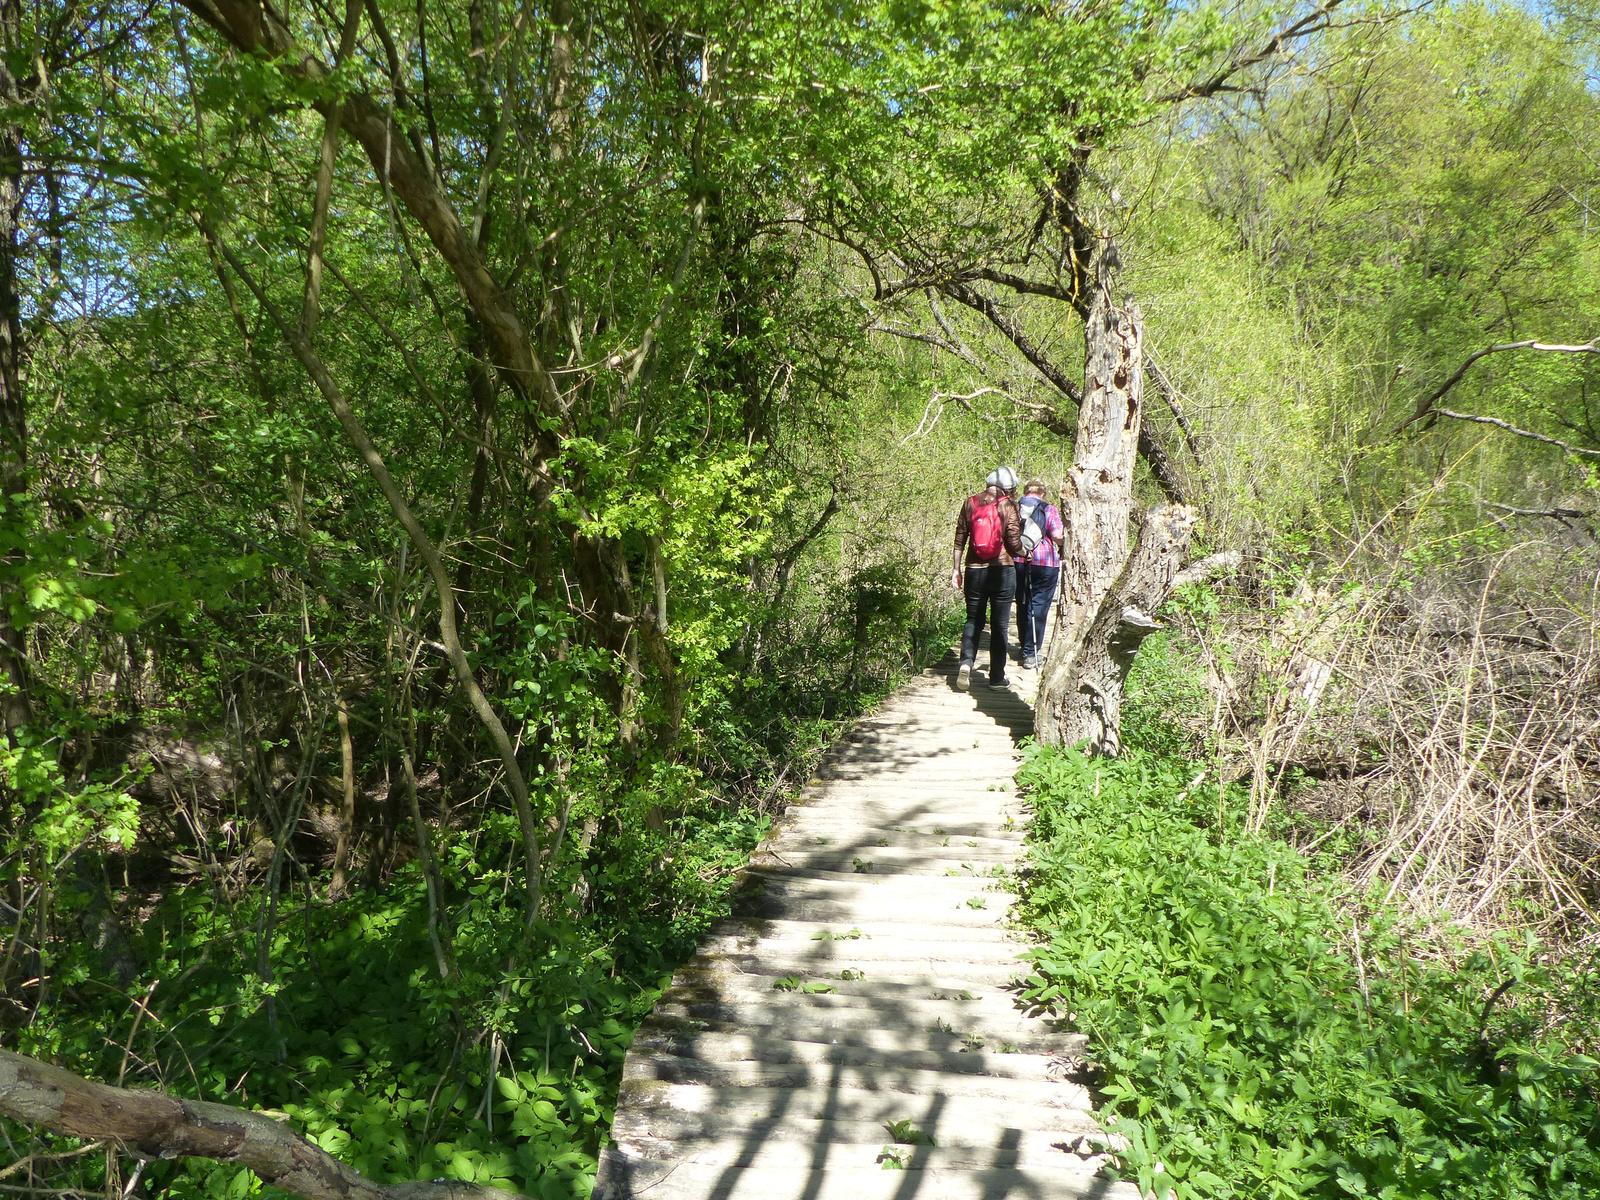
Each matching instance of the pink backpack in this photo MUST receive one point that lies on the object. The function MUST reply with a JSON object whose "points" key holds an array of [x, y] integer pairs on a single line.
{"points": [[987, 542]]}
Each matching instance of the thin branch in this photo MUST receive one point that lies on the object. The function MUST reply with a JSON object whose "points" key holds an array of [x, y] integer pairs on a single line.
{"points": [[935, 409], [384, 328], [1024, 344], [24, 1164], [1510, 428], [1425, 405], [1555, 514], [1044, 414], [1313, 22], [949, 332], [1169, 393], [327, 151], [939, 343], [635, 360], [318, 371], [787, 560], [1029, 287]]}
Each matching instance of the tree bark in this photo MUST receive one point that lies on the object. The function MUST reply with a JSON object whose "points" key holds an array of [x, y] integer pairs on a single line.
{"points": [[347, 806], [1124, 620], [14, 705], [156, 1124], [1107, 594]]}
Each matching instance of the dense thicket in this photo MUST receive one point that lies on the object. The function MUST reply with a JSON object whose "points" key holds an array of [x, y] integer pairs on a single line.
{"points": [[460, 462]]}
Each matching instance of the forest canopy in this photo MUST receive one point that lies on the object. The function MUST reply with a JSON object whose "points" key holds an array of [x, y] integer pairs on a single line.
{"points": [[461, 464]]}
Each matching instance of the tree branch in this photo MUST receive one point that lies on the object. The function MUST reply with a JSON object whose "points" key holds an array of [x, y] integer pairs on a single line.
{"points": [[253, 29], [1169, 393], [1030, 287], [1425, 405], [327, 151], [1563, 515], [1313, 22], [939, 343], [1151, 450], [158, 1125], [635, 360], [1205, 568], [1024, 344], [949, 331], [789, 557], [448, 634], [1510, 428]]}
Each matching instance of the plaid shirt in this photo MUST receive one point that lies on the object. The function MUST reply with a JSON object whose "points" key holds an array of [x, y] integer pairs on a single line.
{"points": [[1046, 554]]}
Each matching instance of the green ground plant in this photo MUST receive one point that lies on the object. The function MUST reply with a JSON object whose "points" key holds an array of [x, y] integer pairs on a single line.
{"points": [[1261, 1031]]}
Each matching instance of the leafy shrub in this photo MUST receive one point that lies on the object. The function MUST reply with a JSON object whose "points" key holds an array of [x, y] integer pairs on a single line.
{"points": [[1254, 1040]]}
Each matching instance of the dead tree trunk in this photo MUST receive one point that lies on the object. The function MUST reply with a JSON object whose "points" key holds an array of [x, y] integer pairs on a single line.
{"points": [[1102, 612]]}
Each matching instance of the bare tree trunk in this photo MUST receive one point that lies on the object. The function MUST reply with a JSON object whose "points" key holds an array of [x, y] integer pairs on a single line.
{"points": [[1096, 499], [1120, 627], [14, 706], [155, 1124], [347, 807], [1102, 613]]}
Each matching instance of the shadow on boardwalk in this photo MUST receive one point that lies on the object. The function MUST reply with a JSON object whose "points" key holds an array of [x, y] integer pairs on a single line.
{"points": [[851, 1031]]}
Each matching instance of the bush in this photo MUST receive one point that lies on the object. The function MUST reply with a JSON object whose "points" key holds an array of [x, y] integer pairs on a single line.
{"points": [[1255, 1038]]}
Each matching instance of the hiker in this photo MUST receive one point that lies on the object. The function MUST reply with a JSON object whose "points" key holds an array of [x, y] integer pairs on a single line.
{"points": [[989, 532], [1038, 570]]}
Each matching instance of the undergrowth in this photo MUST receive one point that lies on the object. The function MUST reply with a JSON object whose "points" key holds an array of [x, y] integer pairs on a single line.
{"points": [[1260, 1031], [503, 1072], [495, 1074]]}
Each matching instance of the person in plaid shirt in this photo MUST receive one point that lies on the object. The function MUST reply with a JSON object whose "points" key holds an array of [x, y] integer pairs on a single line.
{"points": [[1037, 575]]}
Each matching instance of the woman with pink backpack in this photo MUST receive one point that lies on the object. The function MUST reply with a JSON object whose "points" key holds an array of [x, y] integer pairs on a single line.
{"points": [[988, 537]]}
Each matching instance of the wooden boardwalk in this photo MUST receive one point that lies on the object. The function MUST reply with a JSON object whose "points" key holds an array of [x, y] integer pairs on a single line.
{"points": [[851, 1034]]}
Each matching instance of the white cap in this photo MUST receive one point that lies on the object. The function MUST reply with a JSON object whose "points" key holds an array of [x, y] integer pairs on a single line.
{"points": [[1003, 478]]}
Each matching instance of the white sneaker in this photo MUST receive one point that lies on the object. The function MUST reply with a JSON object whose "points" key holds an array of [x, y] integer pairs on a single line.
{"points": [[964, 677]]}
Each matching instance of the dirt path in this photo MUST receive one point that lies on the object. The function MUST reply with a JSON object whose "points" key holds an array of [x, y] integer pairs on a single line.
{"points": [[855, 1014]]}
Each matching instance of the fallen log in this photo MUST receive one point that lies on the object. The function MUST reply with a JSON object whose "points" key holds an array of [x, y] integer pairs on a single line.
{"points": [[155, 1125]]}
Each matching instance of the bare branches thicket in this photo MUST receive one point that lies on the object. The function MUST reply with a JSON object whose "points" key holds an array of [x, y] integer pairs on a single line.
{"points": [[1449, 717]]}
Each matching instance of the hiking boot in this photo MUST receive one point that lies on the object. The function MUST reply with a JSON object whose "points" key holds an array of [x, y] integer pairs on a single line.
{"points": [[964, 677], [999, 685], [1030, 662]]}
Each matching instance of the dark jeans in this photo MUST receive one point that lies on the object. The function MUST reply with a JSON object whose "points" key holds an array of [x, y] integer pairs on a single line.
{"points": [[1036, 591], [985, 587]]}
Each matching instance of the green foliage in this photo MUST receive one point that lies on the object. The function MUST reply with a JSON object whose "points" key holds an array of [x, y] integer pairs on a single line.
{"points": [[907, 1133], [47, 819], [1416, 190], [648, 594], [1259, 1035], [488, 1076]]}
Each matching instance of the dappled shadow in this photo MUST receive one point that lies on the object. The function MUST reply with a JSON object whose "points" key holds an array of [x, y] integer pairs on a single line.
{"points": [[851, 1028], [1009, 710]]}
